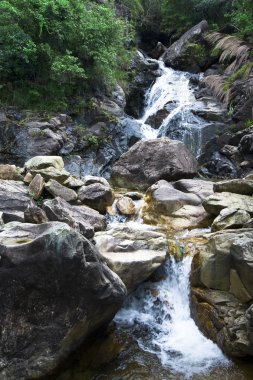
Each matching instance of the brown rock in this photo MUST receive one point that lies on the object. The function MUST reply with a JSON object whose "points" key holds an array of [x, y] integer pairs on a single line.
{"points": [[36, 186], [125, 206]]}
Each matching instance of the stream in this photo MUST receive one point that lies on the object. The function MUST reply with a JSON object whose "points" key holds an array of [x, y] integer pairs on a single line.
{"points": [[156, 335]]}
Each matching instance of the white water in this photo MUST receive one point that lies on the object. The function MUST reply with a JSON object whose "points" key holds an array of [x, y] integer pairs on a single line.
{"points": [[172, 92], [161, 315]]}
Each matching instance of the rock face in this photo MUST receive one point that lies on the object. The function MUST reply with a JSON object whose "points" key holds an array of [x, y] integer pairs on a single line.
{"points": [[148, 161], [230, 218], [83, 219], [133, 253], [14, 199], [179, 56], [222, 290], [55, 291], [178, 204], [218, 201]]}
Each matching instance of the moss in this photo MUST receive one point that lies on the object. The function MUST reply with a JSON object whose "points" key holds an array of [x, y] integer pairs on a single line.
{"points": [[242, 73]]}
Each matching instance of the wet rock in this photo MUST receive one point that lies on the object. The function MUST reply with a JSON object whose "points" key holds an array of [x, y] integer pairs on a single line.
{"points": [[177, 205], [221, 166], [133, 253], [14, 199], [55, 291], [222, 290], [82, 218], [230, 218], [151, 160], [182, 55], [239, 186], [126, 206], [36, 186], [35, 215], [58, 190], [229, 150], [218, 201], [97, 196]]}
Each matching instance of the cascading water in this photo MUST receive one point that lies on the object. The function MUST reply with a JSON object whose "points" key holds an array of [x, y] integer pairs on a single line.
{"points": [[173, 94], [161, 315]]}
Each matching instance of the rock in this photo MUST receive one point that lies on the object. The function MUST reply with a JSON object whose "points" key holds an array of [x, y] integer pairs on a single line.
{"points": [[133, 253], [218, 201], [229, 150], [222, 290], [8, 172], [119, 97], [126, 206], [134, 195], [55, 291], [35, 215], [230, 218], [181, 55], [51, 173], [58, 190], [221, 166], [96, 196], [14, 199], [148, 161], [246, 144], [238, 186], [249, 224], [28, 178], [91, 179], [73, 182], [36, 186], [82, 218], [178, 209], [43, 162]]}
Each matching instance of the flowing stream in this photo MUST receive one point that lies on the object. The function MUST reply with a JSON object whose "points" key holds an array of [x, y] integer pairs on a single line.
{"points": [[160, 339]]}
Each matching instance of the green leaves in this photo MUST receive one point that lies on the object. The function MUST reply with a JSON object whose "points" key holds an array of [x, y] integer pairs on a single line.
{"points": [[67, 45]]}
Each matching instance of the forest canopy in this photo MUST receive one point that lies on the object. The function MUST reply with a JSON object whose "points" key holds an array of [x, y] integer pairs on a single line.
{"points": [[55, 50]]}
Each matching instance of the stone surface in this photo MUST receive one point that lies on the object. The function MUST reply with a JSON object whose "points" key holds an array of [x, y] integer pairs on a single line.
{"points": [[52, 173], [178, 205], [36, 186], [35, 215], [42, 162], [230, 218], [175, 57], [218, 201], [222, 290], [238, 186], [91, 179], [55, 291], [97, 196], [82, 218], [126, 206], [58, 190], [14, 199], [8, 172], [134, 253], [151, 160]]}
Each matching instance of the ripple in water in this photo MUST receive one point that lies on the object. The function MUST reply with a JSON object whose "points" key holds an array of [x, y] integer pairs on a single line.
{"points": [[159, 315]]}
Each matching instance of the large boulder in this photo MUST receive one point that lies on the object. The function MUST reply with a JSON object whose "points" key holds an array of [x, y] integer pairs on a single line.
{"points": [[14, 199], [239, 186], [58, 190], [189, 52], [131, 252], [42, 162], [83, 219], [222, 290], [178, 204], [218, 201], [230, 218], [8, 172], [148, 161], [97, 196], [55, 291]]}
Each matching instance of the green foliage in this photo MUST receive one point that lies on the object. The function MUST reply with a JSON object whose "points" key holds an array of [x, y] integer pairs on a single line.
{"points": [[54, 49], [242, 17], [248, 123], [242, 73]]}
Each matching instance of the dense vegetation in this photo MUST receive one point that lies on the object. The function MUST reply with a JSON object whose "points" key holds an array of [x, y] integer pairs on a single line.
{"points": [[52, 51]]}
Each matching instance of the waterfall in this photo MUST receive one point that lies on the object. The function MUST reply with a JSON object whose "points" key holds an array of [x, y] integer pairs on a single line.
{"points": [[172, 93], [160, 314]]}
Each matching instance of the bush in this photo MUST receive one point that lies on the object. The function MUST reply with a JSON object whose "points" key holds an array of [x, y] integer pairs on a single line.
{"points": [[55, 49]]}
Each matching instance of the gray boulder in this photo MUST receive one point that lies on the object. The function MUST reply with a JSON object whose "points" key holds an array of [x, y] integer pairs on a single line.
{"points": [[58, 190], [239, 186], [35, 215], [55, 291], [97, 196], [83, 219], [148, 161], [218, 201], [230, 218], [133, 253]]}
